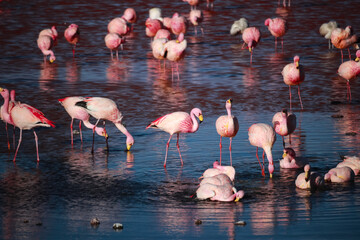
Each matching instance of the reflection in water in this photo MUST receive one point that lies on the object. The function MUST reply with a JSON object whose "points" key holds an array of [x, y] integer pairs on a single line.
{"points": [[48, 72], [72, 71], [117, 71]]}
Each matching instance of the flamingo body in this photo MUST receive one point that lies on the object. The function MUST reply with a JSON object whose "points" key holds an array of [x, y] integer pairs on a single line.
{"points": [[251, 37], [309, 180], [326, 29], [45, 43], [290, 161], [284, 123], [72, 35], [340, 174], [152, 26], [130, 15], [220, 179], [113, 41], [119, 26], [178, 24], [223, 193]]}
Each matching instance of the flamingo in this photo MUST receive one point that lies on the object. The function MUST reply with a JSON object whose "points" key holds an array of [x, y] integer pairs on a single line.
{"points": [[50, 32], [290, 161], [155, 13], [341, 38], [284, 124], [45, 43], [4, 114], [80, 113], [239, 26], [223, 193], [193, 3], [220, 179], [351, 161], [113, 41], [227, 126], [263, 135], [350, 70], [218, 169], [178, 122], [326, 29], [309, 180], [178, 24], [340, 174], [119, 26], [72, 35], [294, 74], [163, 33], [24, 117], [106, 109], [175, 51], [277, 27], [158, 48], [196, 18], [130, 15], [152, 26], [251, 37]]}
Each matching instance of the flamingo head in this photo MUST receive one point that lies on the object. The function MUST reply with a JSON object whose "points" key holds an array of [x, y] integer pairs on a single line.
{"points": [[52, 59], [271, 168], [54, 32], [284, 110], [239, 195], [228, 102], [296, 61], [307, 172], [197, 112], [4, 92], [180, 38], [357, 59], [267, 22], [216, 164], [289, 152], [101, 132], [129, 142]]}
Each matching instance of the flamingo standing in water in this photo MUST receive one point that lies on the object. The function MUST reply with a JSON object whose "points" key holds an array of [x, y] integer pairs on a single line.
{"points": [[342, 38], [294, 74], [3, 114], [130, 15], [263, 135], [119, 26], [251, 37], [326, 29], [175, 51], [284, 124], [350, 70], [277, 27], [113, 41], [24, 117], [80, 113], [72, 35], [223, 193], [50, 32], [152, 26], [227, 126], [178, 24], [106, 109], [309, 180], [177, 122], [193, 3], [45, 43], [196, 18]]}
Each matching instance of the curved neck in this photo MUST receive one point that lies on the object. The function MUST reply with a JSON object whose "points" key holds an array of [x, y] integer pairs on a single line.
{"points": [[195, 126], [123, 130], [268, 152], [88, 124], [228, 109], [5, 110]]}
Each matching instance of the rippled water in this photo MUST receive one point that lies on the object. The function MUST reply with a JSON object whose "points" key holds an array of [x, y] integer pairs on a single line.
{"points": [[70, 186]]}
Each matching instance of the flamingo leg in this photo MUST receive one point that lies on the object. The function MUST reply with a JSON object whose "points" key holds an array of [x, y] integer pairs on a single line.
{"points": [[220, 148], [348, 91], [202, 31], [117, 54], [92, 149], [263, 157], [177, 69], [349, 53], [14, 137], [7, 136], [282, 43], [80, 132], [283, 141], [290, 96], [167, 148], [230, 152], [342, 57], [178, 147], [71, 131], [290, 139], [17, 149], [275, 43], [251, 57], [261, 166], [107, 142], [300, 97], [37, 146], [73, 50], [172, 72], [111, 53]]}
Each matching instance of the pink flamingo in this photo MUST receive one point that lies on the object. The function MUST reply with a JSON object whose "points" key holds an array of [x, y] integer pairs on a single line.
{"points": [[163, 33], [277, 27], [263, 135], [218, 169], [309, 180], [119, 26], [7, 120], [175, 51], [290, 161], [341, 38], [326, 29], [350, 70], [220, 179], [72, 35], [352, 162], [80, 113], [152, 26], [178, 24], [193, 3], [24, 117], [113, 41], [45, 43], [340, 174], [130, 15], [284, 124], [294, 74], [227, 126], [167, 23], [50, 32], [223, 193], [177, 122], [158, 48], [251, 37], [196, 18], [106, 109]]}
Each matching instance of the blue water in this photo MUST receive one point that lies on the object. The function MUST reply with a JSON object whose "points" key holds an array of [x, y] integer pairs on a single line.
{"points": [[57, 197]]}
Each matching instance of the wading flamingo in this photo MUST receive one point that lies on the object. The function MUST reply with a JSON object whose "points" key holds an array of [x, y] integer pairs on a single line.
{"points": [[25, 117], [227, 126], [263, 135], [80, 113], [251, 37], [119, 26], [340, 174], [350, 70], [290, 161], [105, 109], [50, 32], [342, 38], [309, 180], [130, 15], [277, 27], [196, 18], [284, 124], [163, 33], [113, 41], [175, 51], [72, 35], [177, 122], [223, 193], [178, 24], [326, 29], [45, 43], [294, 74]]}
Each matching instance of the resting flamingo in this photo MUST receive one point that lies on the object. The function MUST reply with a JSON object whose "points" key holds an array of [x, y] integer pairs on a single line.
{"points": [[80, 113], [178, 24], [284, 124], [218, 169], [340, 174], [106, 109], [290, 161], [223, 193], [119, 26], [326, 29], [263, 135], [219, 179], [342, 38], [25, 117], [277, 27], [227, 126], [309, 180], [350, 70], [177, 122], [251, 37], [294, 74], [130, 15], [113, 41], [72, 35]]}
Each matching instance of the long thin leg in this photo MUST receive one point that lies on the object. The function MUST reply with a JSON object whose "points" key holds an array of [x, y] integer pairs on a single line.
{"points": [[348, 91], [7, 136], [300, 97], [275, 43], [178, 147], [290, 96], [37, 146], [251, 57], [80, 132], [17, 149], [73, 50], [172, 72], [261, 166], [263, 156], [14, 137], [342, 57], [230, 152], [349, 53], [111, 53], [220, 148], [71, 131], [283, 141], [92, 149], [177, 69], [167, 148], [107, 142]]}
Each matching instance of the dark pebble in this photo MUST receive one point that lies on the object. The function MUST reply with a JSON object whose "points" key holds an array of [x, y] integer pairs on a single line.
{"points": [[241, 223], [198, 222], [337, 116], [350, 133], [26, 221], [39, 224], [118, 226]]}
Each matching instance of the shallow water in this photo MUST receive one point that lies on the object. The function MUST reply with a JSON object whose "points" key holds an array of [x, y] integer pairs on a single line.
{"points": [[70, 186]]}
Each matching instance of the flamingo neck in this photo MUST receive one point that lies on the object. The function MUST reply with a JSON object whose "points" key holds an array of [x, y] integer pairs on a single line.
{"points": [[195, 125], [228, 109], [5, 110], [123, 130]]}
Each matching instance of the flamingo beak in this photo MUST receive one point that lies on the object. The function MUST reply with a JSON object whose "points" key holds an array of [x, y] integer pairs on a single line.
{"points": [[270, 175], [297, 64], [105, 135], [128, 146], [284, 155], [51, 61], [237, 199], [201, 118], [306, 175], [357, 59], [250, 49]]}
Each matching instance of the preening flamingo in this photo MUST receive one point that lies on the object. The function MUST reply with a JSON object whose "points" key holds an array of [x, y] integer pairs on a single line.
{"points": [[175, 51], [158, 48], [152, 26], [163, 33], [196, 18], [80, 113], [219, 179], [251, 37], [284, 124], [340, 174], [309, 180], [277, 27], [130, 15], [178, 24], [263, 135], [50, 32], [227, 126], [342, 38], [72, 34], [113, 41], [290, 161], [45, 43], [218, 169], [239, 26], [350, 70], [25, 117], [223, 193], [119, 26], [105, 109], [294, 74], [178, 122], [326, 29]]}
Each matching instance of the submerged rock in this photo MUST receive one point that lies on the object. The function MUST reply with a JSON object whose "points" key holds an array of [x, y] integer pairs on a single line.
{"points": [[94, 222], [241, 223], [198, 222], [118, 226]]}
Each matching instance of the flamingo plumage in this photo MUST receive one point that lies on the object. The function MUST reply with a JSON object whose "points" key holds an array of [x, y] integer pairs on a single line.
{"points": [[72, 35], [277, 27], [284, 124]]}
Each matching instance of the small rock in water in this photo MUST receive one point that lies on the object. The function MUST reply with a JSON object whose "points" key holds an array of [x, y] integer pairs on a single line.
{"points": [[39, 224], [198, 222], [337, 116], [94, 222], [241, 223], [350, 133], [26, 221], [335, 102], [76, 132], [118, 226]]}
